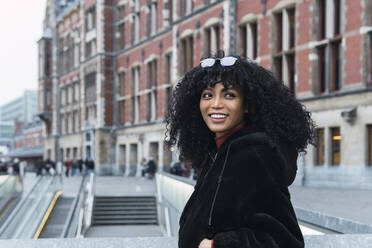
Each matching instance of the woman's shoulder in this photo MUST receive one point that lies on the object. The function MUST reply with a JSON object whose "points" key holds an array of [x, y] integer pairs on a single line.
{"points": [[258, 149]]}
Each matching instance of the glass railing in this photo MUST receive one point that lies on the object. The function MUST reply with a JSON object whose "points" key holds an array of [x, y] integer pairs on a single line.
{"points": [[10, 189], [175, 189], [27, 216]]}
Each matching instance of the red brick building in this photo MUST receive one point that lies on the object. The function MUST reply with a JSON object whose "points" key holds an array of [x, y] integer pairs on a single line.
{"points": [[129, 54], [27, 142]]}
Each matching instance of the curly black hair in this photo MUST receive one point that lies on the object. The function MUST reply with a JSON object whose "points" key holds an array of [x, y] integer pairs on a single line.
{"points": [[270, 104]]}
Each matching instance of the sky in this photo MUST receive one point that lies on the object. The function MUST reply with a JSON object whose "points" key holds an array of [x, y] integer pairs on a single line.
{"points": [[20, 29]]}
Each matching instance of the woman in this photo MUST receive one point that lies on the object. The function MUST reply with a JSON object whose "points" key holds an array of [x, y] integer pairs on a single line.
{"points": [[242, 130]]}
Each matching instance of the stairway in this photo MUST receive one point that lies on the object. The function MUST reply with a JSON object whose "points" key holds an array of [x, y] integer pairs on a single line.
{"points": [[129, 210]]}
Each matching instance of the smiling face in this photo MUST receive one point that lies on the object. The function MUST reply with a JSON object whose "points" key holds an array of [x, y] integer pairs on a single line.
{"points": [[222, 108]]}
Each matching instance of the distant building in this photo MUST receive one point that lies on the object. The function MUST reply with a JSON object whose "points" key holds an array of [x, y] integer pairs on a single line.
{"points": [[28, 142], [6, 135], [23, 109], [107, 69]]}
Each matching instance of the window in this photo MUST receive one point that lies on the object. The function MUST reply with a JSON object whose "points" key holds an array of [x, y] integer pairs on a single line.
{"points": [[151, 18], [322, 68], [187, 54], [76, 121], [319, 155], [370, 55], [135, 94], [168, 82], [120, 12], [248, 40], [151, 84], [329, 54], [120, 35], [67, 120], [48, 58], [90, 19], [90, 88], [76, 92], [211, 40], [70, 93], [63, 123], [74, 152], [77, 53], [335, 146], [167, 13], [168, 69], [167, 99], [121, 118], [48, 98], [122, 84], [284, 57], [90, 48], [369, 145], [135, 23], [185, 7]]}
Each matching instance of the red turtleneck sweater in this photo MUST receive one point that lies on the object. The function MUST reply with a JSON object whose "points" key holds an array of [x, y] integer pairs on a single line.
{"points": [[222, 139]]}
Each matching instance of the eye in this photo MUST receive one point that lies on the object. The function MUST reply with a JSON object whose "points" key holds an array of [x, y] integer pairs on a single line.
{"points": [[230, 95], [206, 95]]}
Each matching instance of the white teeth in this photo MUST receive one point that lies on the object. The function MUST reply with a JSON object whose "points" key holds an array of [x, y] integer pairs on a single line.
{"points": [[218, 116]]}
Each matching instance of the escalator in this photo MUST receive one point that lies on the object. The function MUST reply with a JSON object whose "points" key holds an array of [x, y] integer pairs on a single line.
{"points": [[42, 211], [56, 221]]}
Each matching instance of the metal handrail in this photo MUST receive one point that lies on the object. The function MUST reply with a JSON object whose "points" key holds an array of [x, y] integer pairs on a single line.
{"points": [[74, 207]]}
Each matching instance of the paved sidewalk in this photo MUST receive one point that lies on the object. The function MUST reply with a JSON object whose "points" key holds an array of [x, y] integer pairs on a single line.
{"points": [[350, 204]]}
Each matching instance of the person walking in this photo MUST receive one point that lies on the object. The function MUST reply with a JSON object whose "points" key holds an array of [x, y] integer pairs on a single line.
{"points": [[143, 167], [151, 168], [67, 167], [242, 129], [89, 163]]}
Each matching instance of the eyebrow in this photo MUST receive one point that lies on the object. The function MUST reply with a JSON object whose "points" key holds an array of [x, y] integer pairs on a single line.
{"points": [[224, 88]]}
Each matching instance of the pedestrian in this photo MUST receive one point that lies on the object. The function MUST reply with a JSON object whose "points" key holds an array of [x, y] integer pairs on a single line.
{"points": [[80, 163], [67, 167], [39, 167], [50, 167], [177, 168], [15, 166], [151, 168], [143, 166], [242, 129], [75, 167], [89, 163]]}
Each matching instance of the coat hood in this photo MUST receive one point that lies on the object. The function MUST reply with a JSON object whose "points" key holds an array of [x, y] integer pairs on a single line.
{"points": [[284, 154]]}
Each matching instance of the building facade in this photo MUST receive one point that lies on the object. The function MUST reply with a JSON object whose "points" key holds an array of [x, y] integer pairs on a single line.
{"points": [[108, 69]]}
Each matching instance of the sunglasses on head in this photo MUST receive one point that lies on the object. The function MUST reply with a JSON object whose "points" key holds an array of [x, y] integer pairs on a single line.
{"points": [[225, 61]]}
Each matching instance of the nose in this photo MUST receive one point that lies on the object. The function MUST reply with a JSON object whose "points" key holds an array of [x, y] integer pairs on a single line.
{"points": [[217, 103]]}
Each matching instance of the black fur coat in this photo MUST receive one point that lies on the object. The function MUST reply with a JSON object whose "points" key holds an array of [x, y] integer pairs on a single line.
{"points": [[241, 198]]}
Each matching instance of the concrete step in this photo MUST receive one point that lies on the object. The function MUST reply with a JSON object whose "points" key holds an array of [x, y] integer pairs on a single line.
{"points": [[123, 208], [125, 198], [124, 211], [124, 204], [126, 217], [131, 212], [125, 222]]}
